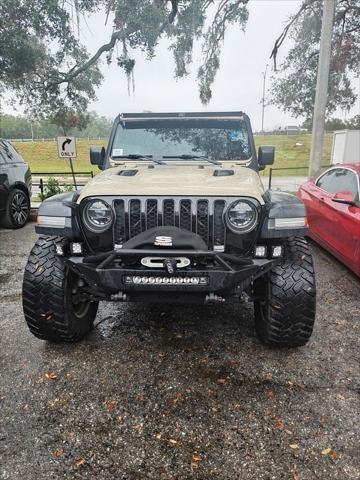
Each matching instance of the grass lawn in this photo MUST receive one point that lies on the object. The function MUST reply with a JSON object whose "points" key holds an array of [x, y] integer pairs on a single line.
{"points": [[291, 151], [43, 156]]}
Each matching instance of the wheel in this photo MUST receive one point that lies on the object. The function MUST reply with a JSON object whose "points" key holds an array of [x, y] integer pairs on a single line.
{"points": [[55, 305], [285, 314], [17, 210]]}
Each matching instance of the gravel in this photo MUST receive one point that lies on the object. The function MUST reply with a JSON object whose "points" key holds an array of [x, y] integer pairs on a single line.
{"points": [[179, 392]]}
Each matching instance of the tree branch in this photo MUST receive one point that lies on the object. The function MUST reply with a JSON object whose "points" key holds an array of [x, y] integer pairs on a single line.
{"points": [[171, 17], [279, 41], [75, 72]]}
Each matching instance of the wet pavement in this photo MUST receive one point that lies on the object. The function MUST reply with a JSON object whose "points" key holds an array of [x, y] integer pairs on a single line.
{"points": [[177, 392]]}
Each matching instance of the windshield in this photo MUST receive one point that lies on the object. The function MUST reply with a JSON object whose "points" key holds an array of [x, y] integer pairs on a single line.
{"points": [[215, 139]]}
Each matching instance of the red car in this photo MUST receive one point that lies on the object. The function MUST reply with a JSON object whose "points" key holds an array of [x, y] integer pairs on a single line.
{"points": [[333, 212]]}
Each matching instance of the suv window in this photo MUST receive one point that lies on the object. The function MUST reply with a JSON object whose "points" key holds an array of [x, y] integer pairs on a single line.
{"points": [[9, 153], [339, 180]]}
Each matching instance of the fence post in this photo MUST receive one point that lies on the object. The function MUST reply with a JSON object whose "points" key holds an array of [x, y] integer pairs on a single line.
{"points": [[270, 178], [41, 185]]}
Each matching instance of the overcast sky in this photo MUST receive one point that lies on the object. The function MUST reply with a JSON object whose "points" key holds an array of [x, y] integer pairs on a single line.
{"points": [[238, 85]]}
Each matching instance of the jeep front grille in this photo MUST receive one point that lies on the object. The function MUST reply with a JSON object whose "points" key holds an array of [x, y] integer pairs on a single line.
{"points": [[201, 216]]}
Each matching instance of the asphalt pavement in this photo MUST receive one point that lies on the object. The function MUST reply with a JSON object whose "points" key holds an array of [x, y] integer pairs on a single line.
{"points": [[177, 392]]}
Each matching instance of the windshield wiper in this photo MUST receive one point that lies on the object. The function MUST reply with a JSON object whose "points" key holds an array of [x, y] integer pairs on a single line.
{"points": [[194, 157], [137, 156]]}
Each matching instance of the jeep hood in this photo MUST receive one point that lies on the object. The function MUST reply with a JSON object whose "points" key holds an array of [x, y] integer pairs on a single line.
{"points": [[175, 180]]}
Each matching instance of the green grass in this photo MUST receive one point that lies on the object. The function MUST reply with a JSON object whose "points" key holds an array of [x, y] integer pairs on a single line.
{"points": [[42, 156], [288, 154]]}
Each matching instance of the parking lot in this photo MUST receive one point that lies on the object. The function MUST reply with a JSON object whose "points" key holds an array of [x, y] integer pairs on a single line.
{"points": [[174, 392]]}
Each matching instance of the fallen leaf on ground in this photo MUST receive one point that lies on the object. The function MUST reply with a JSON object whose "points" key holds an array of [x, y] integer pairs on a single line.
{"points": [[278, 423], [195, 460], [138, 426], [322, 419], [340, 322], [330, 452], [294, 446], [58, 453], [295, 476], [80, 461], [110, 405], [51, 375], [270, 394], [326, 451], [172, 441], [221, 381], [288, 432]]}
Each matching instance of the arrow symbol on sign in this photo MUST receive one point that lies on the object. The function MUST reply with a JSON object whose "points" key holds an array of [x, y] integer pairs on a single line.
{"points": [[67, 141]]}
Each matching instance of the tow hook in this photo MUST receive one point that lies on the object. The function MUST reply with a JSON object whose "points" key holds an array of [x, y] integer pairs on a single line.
{"points": [[119, 297], [212, 298]]}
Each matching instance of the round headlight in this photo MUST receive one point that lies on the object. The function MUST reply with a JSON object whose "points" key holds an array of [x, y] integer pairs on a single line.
{"points": [[98, 216], [241, 217]]}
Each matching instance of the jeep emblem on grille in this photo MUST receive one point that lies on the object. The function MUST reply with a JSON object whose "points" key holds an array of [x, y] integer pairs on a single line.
{"points": [[163, 241]]}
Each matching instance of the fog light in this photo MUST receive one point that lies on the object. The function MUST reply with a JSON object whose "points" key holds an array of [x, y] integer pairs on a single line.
{"points": [[59, 250], [76, 248], [276, 251], [260, 251]]}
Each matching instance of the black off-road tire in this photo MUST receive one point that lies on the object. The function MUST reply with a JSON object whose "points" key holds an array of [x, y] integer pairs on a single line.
{"points": [[17, 209], [286, 314], [48, 299]]}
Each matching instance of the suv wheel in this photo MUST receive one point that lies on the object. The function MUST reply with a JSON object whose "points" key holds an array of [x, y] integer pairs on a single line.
{"points": [[286, 313], [55, 303], [17, 210]]}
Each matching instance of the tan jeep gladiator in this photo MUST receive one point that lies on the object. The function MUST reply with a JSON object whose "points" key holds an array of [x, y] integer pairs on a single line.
{"points": [[179, 214]]}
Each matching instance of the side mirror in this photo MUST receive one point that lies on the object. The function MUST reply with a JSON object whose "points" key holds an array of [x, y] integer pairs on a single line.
{"points": [[266, 156], [97, 156], [345, 197]]}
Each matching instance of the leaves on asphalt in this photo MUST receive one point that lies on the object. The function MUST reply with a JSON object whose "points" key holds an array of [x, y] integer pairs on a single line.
{"points": [[51, 376], [110, 405], [58, 453], [278, 423], [172, 441], [80, 461], [330, 452], [294, 446], [195, 460], [270, 394]]}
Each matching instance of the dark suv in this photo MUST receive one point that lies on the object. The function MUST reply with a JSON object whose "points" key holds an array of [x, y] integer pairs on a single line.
{"points": [[15, 187]]}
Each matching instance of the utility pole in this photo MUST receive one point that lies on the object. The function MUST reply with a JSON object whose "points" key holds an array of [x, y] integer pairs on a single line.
{"points": [[263, 99], [322, 84]]}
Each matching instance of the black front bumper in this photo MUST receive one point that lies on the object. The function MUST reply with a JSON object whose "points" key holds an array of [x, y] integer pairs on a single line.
{"points": [[109, 274]]}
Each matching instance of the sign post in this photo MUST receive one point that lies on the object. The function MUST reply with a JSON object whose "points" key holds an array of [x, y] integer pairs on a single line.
{"points": [[67, 149]]}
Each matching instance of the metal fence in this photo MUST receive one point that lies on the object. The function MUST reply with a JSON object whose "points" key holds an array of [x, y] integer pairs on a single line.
{"points": [[303, 168], [43, 182], [26, 140]]}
